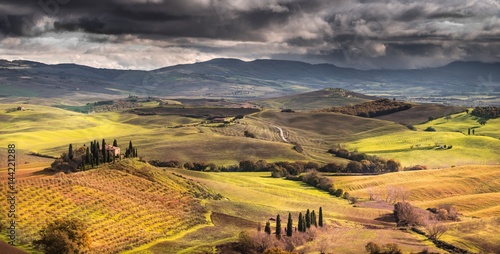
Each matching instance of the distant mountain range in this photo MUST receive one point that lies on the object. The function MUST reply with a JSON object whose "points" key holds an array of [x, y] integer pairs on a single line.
{"points": [[457, 82]]}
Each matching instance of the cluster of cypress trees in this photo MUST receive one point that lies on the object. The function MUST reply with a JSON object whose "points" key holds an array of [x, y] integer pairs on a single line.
{"points": [[96, 154], [303, 224], [131, 151]]}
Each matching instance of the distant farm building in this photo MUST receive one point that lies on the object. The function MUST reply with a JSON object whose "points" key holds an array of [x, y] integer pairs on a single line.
{"points": [[21, 108], [114, 150]]}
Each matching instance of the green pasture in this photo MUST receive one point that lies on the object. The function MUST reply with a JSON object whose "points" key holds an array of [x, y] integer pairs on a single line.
{"points": [[427, 148]]}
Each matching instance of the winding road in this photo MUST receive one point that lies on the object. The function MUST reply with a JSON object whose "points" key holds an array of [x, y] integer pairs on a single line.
{"points": [[281, 133]]}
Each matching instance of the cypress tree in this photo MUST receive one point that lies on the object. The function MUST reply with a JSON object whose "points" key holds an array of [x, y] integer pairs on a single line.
{"points": [[97, 154], [115, 143], [278, 227], [267, 229], [289, 225], [104, 153], [468, 131], [299, 225], [304, 228], [320, 219], [308, 219], [313, 219], [87, 155], [70, 152]]}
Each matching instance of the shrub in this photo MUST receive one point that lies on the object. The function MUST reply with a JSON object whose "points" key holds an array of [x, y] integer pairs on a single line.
{"points": [[297, 147], [166, 164], [248, 134], [391, 248], [64, 236], [373, 248], [339, 192], [346, 195], [430, 129], [407, 215], [415, 167]]}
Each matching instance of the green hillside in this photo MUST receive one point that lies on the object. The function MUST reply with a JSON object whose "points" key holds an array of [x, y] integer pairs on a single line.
{"points": [[427, 148]]}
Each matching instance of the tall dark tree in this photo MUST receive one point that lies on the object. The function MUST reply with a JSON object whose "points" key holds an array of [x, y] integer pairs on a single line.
{"points": [[267, 229], [87, 155], [313, 219], [289, 225], [308, 219], [304, 228], [320, 217], [300, 223], [97, 154], [468, 131], [104, 153], [70, 152], [278, 227], [115, 143]]}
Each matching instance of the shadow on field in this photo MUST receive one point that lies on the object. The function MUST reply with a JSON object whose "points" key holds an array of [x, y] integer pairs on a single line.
{"points": [[388, 217]]}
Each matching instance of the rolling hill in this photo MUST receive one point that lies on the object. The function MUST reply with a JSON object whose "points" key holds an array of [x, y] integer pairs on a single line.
{"points": [[460, 82], [324, 98], [146, 206]]}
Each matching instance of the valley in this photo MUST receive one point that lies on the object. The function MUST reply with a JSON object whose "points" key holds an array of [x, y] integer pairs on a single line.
{"points": [[198, 212]]}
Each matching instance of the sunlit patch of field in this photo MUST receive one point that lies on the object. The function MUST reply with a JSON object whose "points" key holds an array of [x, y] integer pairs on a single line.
{"points": [[49, 131], [122, 210], [252, 198], [422, 147], [473, 190]]}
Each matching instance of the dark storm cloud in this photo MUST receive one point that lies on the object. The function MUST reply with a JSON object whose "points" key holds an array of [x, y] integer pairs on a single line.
{"points": [[363, 34]]}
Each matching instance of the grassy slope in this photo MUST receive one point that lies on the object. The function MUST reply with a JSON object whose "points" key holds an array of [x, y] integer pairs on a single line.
{"points": [[473, 190], [141, 209], [479, 149], [316, 132], [252, 198], [48, 130]]}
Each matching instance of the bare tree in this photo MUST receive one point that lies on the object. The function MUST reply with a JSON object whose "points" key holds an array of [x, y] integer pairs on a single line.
{"points": [[401, 193], [374, 195], [390, 195], [435, 228]]}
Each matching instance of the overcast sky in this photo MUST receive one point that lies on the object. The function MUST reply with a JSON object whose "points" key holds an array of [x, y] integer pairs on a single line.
{"points": [[149, 34]]}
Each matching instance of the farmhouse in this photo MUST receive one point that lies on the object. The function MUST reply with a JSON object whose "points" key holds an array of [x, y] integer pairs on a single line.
{"points": [[115, 151]]}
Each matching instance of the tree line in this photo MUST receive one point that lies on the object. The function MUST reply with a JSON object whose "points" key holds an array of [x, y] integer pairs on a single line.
{"points": [[371, 108], [361, 163], [486, 112], [305, 221]]}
